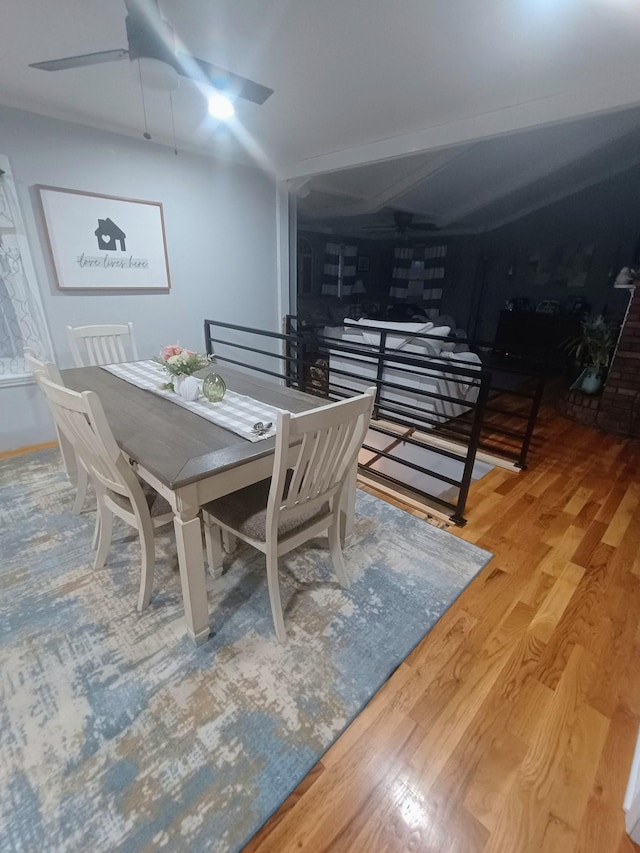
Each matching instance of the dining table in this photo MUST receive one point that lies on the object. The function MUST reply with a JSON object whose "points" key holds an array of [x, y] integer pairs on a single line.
{"points": [[191, 461]]}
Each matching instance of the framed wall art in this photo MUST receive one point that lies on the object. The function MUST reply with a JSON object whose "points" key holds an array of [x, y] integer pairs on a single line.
{"points": [[105, 243], [566, 265]]}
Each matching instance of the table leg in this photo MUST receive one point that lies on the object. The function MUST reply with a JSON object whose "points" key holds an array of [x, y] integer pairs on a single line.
{"points": [[186, 523], [348, 506]]}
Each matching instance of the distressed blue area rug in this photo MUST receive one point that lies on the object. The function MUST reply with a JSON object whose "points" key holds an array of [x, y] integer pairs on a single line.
{"points": [[116, 733]]}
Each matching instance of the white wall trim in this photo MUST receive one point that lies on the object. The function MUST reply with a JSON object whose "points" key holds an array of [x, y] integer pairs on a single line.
{"points": [[528, 114], [15, 379], [285, 206]]}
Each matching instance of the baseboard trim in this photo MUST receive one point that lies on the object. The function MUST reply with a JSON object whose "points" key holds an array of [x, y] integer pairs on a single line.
{"points": [[405, 496], [28, 448]]}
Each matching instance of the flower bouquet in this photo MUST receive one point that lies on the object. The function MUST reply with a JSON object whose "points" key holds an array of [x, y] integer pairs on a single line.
{"points": [[181, 364]]}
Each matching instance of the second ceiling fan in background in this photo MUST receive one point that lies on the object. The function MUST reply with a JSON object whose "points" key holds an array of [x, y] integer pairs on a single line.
{"points": [[403, 225]]}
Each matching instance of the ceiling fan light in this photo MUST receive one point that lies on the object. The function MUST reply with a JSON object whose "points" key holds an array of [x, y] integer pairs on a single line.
{"points": [[220, 106], [156, 74]]}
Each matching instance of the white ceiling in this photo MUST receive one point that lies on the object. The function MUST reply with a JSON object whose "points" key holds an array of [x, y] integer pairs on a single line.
{"points": [[476, 186], [356, 81]]}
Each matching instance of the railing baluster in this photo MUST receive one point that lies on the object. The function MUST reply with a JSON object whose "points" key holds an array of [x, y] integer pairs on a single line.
{"points": [[533, 416], [469, 431]]}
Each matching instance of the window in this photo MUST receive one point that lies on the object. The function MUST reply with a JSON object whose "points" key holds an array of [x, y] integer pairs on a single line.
{"points": [[339, 269], [21, 316], [305, 265]]}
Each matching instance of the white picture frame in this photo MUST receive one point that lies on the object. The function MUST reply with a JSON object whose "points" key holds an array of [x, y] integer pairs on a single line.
{"points": [[104, 243]]}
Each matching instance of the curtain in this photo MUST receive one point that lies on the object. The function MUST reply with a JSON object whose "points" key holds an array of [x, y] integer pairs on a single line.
{"points": [[21, 317], [339, 271], [431, 279], [331, 269], [402, 258], [349, 263], [418, 276]]}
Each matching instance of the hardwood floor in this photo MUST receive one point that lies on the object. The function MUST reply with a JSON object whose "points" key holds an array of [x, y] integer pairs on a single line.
{"points": [[512, 726]]}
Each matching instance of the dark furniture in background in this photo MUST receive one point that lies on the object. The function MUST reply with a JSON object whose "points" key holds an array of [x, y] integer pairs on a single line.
{"points": [[535, 336]]}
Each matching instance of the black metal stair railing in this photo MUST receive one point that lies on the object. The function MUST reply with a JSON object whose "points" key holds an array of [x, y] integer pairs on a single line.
{"points": [[513, 400], [405, 414]]}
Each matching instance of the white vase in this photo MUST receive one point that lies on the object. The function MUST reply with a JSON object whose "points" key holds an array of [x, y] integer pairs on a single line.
{"points": [[187, 387], [592, 381]]}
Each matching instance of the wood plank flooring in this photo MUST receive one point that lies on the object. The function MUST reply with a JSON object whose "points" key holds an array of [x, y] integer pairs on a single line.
{"points": [[512, 726]]}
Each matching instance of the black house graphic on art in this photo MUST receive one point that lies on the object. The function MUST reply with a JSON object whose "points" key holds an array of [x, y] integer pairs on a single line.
{"points": [[109, 235]]}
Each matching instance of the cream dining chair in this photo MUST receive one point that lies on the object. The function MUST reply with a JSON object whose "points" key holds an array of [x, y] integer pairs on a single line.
{"points": [[314, 457], [76, 472], [91, 345], [81, 418]]}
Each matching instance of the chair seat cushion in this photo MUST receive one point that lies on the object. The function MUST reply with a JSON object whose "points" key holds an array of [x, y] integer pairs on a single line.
{"points": [[157, 504], [246, 512]]}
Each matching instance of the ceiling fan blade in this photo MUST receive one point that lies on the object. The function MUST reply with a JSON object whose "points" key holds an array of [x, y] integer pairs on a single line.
{"points": [[81, 60], [205, 72], [424, 226]]}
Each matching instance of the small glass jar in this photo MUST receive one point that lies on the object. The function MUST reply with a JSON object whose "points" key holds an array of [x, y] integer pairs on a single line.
{"points": [[213, 387]]}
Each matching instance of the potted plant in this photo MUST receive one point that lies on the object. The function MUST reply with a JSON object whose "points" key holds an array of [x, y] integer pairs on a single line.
{"points": [[593, 349], [181, 364]]}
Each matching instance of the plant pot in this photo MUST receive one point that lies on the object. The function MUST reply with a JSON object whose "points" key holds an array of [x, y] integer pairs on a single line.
{"points": [[187, 387], [592, 381]]}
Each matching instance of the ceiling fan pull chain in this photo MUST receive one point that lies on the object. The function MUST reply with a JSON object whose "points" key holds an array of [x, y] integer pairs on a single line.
{"points": [[146, 133], [173, 125]]}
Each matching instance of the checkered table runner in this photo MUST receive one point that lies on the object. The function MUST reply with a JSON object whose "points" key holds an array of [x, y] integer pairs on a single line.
{"points": [[235, 412]]}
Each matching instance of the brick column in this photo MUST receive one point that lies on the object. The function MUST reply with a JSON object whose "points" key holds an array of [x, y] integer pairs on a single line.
{"points": [[620, 402]]}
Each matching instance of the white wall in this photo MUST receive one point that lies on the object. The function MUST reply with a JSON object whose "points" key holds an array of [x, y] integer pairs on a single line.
{"points": [[220, 221]]}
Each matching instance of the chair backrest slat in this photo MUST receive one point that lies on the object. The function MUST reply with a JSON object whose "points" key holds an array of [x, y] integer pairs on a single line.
{"points": [[117, 349], [95, 345], [40, 368], [323, 447], [324, 443], [46, 369], [81, 418], [341, 435], [303, 464], [93, 350]]}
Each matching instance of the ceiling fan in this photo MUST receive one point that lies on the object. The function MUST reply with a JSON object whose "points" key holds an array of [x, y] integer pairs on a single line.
{"points": [[403, 224], [149, 36]]}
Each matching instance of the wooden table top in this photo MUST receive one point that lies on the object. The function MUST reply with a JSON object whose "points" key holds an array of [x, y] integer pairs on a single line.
{"points": [[176, 445]]}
